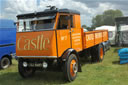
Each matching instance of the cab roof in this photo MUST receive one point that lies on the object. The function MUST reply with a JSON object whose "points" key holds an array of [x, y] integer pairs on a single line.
{"points": [[47, 12], [122, 20]]}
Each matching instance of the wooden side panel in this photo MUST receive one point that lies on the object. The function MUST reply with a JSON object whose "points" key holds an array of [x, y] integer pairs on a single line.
{"points": [[105, 35], [88, 40], [98, 37], [94, 37], [63, 41], [36, 43]]}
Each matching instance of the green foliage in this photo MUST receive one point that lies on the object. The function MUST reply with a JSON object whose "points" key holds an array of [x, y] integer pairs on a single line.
{"points": [[84, 26], [107, 18], [88, 28]]}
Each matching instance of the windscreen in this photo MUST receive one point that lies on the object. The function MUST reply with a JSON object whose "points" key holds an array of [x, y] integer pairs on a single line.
{"points": [[45, 23]]}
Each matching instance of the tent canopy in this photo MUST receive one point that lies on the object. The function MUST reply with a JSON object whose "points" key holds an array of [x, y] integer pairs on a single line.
{"points": [[124, 28], [109, 28]]}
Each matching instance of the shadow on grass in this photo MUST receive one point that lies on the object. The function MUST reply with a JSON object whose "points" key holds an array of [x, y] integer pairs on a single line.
{"points": [[116, 49], [116, 62], [40, 78], [85, 59]]}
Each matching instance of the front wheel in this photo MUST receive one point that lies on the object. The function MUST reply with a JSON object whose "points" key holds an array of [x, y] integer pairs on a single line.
{"points": [[71, 68], [5, 63], [25, 72]]}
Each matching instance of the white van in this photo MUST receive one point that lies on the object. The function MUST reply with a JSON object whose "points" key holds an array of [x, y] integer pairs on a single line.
{"points": [[112, 33]]}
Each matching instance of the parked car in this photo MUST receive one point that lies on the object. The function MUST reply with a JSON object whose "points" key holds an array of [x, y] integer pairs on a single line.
{"points": [[7, 42]]}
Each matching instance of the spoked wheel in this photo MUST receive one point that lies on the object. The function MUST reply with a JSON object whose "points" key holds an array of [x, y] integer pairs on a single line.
{"points": [[71, 68], [5, 63], [25, 72]]}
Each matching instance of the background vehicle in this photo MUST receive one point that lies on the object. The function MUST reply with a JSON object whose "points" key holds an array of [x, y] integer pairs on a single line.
{"points": [[112, 33], [53, 40], [122, 31], [7, 42]]}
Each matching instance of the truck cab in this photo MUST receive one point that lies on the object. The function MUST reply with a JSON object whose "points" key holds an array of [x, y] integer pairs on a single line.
{"points": [[42, 31]]}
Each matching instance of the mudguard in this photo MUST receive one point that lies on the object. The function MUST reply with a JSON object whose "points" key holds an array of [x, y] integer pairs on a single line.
{"points": [[67, 53]]}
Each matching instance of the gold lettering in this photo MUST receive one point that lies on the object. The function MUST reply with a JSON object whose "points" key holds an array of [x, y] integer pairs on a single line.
{"points": [[32, 42], [44, 43], [27, 45], [41, 42], [18, 43], [38, 41]]}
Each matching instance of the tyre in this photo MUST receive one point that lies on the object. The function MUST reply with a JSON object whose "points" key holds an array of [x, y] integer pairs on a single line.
{"points": [[25, 72], [5, 62], [100, 55], [71, 68], [93, 54], [97, 53]]}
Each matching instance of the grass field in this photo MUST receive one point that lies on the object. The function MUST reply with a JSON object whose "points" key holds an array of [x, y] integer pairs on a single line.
{"points": [[108, 72]]}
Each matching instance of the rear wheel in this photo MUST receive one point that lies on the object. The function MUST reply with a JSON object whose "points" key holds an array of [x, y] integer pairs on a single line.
{"points": [[5, 63], [25, 72], [71, 68], [97, 53], [100, 53], [93, 54]]}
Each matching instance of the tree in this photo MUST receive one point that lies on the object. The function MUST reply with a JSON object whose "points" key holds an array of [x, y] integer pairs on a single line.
{"points": [[86, 27], [98, 20], [107, 18]]}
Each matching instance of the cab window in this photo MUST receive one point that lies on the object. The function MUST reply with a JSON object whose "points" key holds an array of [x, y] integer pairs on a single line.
{"points": [[72, 21], [63, 22], [36, 24]]}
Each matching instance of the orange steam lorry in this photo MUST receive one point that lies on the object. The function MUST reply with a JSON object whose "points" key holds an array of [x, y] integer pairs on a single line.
{"points": [[52, 40]]}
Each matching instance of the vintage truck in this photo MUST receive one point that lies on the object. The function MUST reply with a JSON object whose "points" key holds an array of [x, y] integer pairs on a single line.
{"points": [[52, 40]]}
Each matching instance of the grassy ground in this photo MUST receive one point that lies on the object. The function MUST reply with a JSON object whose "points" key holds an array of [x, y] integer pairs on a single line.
{"points": [[109, 72]]}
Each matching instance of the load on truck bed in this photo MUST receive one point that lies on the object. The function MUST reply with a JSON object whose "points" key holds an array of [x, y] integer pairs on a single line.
{"points": [[53, 40]]}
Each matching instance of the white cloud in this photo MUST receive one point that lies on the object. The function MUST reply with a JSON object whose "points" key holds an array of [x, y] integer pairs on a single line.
{"points": [[70, 4], [20, 6], [14, 7], [64, 4], [2, 17], [104, 6]]}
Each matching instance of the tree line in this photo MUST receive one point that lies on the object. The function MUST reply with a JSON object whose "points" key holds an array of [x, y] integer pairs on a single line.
{"points": [[106, 18]]}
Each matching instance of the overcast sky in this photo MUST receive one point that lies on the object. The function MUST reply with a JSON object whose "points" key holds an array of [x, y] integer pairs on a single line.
{"points": [[88, 8]]}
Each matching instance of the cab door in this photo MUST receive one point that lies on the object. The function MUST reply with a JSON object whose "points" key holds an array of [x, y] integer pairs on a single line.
{"points": [[76, 32], [63, 34]]}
